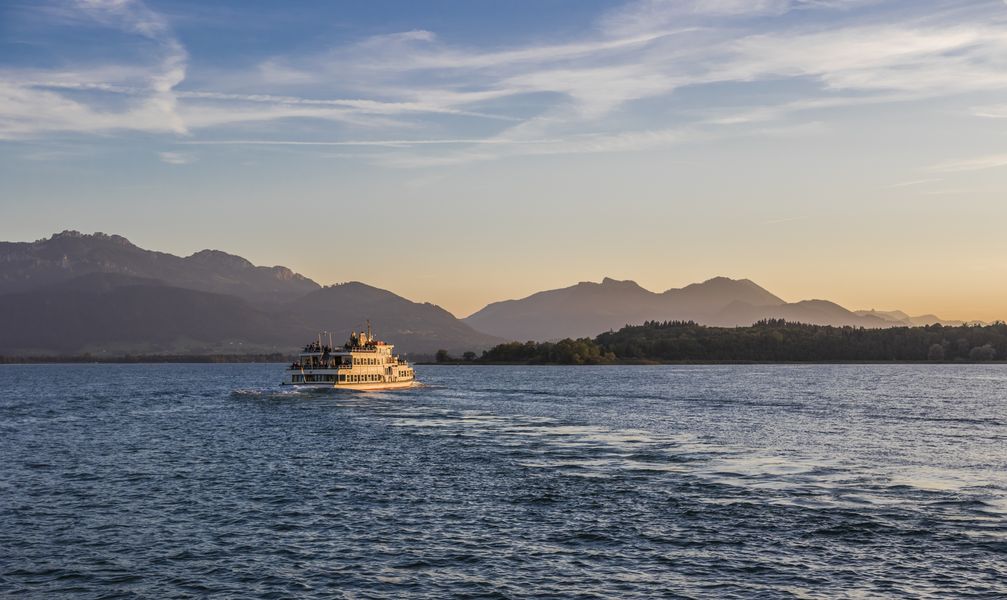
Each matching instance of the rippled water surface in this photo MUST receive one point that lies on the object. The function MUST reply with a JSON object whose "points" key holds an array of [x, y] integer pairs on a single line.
{"points": [[717, 481]]}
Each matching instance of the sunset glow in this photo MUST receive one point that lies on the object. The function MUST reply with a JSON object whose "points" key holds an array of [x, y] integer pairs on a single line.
{"points": [[852, 150]]}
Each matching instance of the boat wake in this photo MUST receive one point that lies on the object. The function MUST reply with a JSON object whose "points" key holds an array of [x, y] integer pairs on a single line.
{"points": [[259, 393]]}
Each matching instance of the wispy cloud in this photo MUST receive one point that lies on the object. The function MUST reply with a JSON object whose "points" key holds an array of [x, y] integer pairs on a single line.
{"points": [[648, 15], [973, 164], [911, 183], [176, 158], [998, 111], [503, 147], [28, 108], [381, 143], [482, 149], [585, 94]]}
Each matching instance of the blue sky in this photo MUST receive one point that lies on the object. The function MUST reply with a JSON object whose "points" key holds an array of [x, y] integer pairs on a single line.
{"points": [[849, 149]]}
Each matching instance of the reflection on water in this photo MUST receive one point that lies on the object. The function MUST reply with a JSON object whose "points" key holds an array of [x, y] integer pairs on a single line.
{"points": [[812, 481]]}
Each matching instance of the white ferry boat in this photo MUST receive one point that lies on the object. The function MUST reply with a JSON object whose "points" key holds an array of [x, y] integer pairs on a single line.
{"points": [[363, 363]]}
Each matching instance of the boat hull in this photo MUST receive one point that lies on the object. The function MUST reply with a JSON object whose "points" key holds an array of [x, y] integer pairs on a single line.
{"points": [[356, 387]]}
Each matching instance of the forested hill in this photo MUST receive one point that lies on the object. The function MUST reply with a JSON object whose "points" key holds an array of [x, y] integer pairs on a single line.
{"points": [[766, 341]]}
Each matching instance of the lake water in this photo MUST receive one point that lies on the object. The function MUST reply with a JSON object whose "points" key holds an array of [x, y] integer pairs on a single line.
{"points": [[582, 482]]}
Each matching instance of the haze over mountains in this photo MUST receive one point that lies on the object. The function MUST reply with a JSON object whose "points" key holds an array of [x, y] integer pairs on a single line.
{"points": [[100, 294], [586, 309]]}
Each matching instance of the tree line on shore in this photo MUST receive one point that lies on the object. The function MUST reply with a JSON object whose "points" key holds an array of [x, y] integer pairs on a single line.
{"points": [[773, 340]]}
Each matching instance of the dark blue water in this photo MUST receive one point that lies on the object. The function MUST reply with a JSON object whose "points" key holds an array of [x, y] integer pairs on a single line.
{"points": [[727, 481]]}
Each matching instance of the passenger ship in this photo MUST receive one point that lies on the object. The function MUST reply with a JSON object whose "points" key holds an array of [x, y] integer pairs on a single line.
{"points": [[363, 363]]}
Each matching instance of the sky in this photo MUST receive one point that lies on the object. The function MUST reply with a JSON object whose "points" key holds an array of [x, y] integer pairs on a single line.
{"points": [[463, 152]]}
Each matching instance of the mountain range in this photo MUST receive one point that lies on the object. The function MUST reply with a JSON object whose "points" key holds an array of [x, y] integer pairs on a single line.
{"points": [[587, 308], [100, 294], [76, 293], [29, 265]]}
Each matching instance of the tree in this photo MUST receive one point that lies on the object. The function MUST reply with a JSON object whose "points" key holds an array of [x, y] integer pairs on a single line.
{"points": [[443, 356], [984, 352], [469, 356], [771, 340]]}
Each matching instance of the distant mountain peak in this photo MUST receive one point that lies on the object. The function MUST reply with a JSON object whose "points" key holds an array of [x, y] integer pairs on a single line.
{"points": [[73, 234], [218, 257], [287, 274], [66, 233], [720, 280], [899, 317], [619, 283], [722, 290], [816, 302]]}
